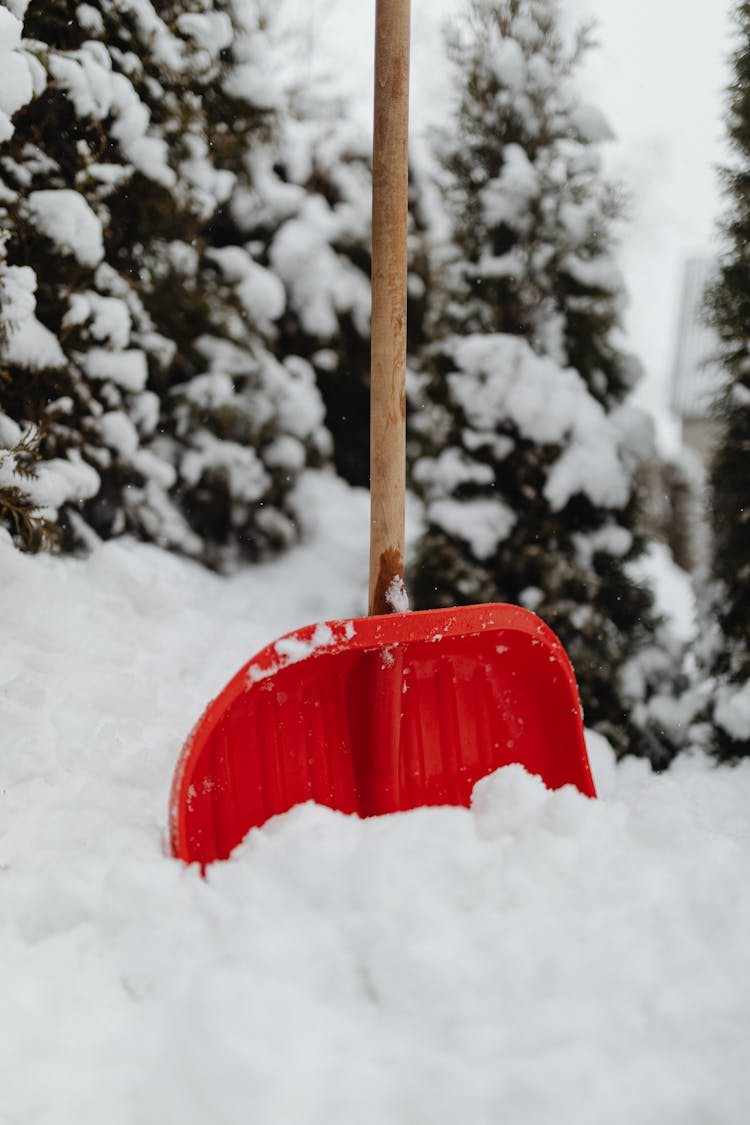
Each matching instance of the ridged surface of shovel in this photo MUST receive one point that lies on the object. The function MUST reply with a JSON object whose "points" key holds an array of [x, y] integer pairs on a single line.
{"points": [[378, 715]]}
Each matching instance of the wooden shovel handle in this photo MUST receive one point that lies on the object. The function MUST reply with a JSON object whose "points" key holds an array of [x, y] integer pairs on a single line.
{"points": [[390, 209]]}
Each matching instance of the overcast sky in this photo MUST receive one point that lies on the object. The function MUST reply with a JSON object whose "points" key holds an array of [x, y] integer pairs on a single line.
{"points": [[658, 73]]}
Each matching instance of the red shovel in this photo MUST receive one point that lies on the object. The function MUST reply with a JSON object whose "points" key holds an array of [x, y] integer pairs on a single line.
{"points": [[395, 710]]}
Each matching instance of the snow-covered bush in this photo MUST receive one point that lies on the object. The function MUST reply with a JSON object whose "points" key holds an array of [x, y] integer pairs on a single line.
{"points": [[526, 452], [137, 345], [306, 206]]}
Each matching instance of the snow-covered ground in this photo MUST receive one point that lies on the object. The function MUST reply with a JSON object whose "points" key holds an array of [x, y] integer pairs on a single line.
{"points": [[539, 958]]}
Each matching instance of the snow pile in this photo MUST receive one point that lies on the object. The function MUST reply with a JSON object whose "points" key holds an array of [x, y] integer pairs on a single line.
{"points": [[539, 957]]}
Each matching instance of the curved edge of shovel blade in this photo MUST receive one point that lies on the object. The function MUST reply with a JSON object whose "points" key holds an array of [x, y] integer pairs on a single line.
{"points": [[376, 715], [206, 817]]}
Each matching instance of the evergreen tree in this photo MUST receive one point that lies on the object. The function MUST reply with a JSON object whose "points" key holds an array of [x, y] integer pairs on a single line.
{"points": [[730, 489], [137, 348], [525, 452]]}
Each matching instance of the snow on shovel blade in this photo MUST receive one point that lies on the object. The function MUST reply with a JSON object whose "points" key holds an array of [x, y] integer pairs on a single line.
{"points": [[378, 715]]}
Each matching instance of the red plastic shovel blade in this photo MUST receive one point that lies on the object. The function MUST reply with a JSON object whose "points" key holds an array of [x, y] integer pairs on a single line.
{"points": [[378, 715]]}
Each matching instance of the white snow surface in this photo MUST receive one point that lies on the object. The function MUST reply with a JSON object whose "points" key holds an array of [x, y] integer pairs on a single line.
{"points": [[539, 958]]}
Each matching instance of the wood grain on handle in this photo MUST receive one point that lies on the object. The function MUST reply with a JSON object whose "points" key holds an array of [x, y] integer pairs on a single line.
{"points": [[389, 270]]}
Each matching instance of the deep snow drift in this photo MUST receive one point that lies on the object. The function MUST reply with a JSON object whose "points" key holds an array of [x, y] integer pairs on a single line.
{"points": [[539, 958]]}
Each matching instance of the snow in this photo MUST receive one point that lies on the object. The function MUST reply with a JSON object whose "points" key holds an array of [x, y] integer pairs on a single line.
{"points": [[17, 7], [740, 395], [299, 406], [291, 649], [509, 63], [253, 78], [286, 452], [56, 482], [90, 19], [599, 272], [66, 219], [128, 368], [60, 481], [148, 154], [119, 432], [482, 523], [539, 957], [321, 283], [509, 198], [610, 539], [28, 342], [259, 291], [210, 186], [591, 124], [396, 596], [673, 588], [211, 390], [213, 30], [732, 711], [499, 378], [15, 75], [247, 478], [10, 432], [449, 470], [86, 77], [109, 318]]}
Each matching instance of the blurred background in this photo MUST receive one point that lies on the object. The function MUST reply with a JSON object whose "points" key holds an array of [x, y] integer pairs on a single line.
{"points": [[659, 74]]}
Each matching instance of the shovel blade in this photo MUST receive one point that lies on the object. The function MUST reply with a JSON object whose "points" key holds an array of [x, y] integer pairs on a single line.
{"points": [[378, 715]]}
